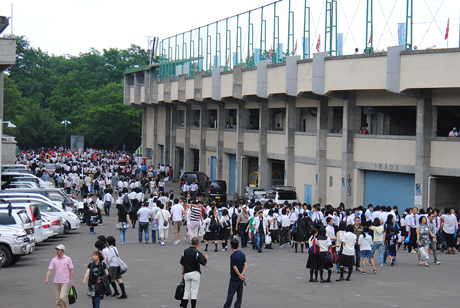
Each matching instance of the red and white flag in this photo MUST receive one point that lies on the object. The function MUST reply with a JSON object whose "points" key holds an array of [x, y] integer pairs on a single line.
{"points": [[228, 60], [318, 44], [370, 39], [295, 48], [271, 52], [447, 30]]}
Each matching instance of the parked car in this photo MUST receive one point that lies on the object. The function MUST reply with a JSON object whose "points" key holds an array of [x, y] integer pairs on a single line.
{"points": [[24, 179], [199, 177], [50, 169], [32, 212], [47, 230], [217, 190], [49, 207], [14, 167], [14, 242], [56, 223], [280, 194], [7, 176], [20, 185], [249, 191]]}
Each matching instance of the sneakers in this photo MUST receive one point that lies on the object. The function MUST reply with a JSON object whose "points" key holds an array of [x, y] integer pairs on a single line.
{"points": [[92, 233], [162, 243], [281, 246], [437, 262], [413, 251], [392, 262], [176, 242]]}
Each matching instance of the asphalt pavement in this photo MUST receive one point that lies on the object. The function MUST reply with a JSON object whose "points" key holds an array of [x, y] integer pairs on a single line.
{"points": [[277, 278]]}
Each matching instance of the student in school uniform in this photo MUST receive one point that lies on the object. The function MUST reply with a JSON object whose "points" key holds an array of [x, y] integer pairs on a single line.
{"points": [[313, 261], [324, 243], [348, 253]]}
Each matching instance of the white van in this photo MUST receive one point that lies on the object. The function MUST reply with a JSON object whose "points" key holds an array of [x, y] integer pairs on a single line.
{"points": [[56, 195], [33, 213], [49, 207], [7, 176]]}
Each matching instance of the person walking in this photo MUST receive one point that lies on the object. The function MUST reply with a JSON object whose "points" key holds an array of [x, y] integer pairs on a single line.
{"points": [[191, 260], [163, 218], [94, 272], [177, 211], [238, 268], [144, 215], [113, 260], [433, 237], [261, 228], [193, 223], [242, 224], [63, 272], [123, 217]]}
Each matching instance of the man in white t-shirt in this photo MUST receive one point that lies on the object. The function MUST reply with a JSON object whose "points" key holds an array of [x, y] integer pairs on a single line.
{"points": [[193, 190], [163, 217], [177, 211], [143, 215]]}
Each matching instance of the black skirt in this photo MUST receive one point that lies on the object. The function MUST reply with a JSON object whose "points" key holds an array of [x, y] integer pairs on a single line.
{"points": [[404, 232], [346, 260], [224, 234], [313, 262], [322, 263], [300, 237], [211, 236]]}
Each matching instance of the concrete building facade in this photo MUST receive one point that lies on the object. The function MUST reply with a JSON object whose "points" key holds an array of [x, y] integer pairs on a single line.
{"points": [[226, 125]]}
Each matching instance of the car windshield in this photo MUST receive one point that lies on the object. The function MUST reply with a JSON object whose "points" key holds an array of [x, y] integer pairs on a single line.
{"points": [[49, 166], [218, 185], [287, 195], [189, 177], [6, 220]]}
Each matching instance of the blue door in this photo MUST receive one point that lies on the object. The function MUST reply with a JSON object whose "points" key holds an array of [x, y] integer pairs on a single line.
{"points": [[389, 189], [232, 174], [213, 167], [307, 196]]}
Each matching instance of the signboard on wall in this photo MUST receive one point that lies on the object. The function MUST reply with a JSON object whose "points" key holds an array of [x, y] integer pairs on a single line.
{"points": [[77, 143]]}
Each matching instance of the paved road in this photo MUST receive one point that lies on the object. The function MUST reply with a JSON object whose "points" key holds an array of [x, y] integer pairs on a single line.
{"points": [[278, 278]]}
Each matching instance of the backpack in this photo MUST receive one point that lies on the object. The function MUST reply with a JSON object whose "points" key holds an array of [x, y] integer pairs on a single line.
{"points": [[213, 225], [331, 256], [234, 217]]}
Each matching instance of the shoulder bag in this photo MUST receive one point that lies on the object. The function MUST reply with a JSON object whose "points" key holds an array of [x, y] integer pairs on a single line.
{"points": [[180, 289], [165, 223], [123, 266], [119, 226], [314, 249], [331, 256], [72, 295]]}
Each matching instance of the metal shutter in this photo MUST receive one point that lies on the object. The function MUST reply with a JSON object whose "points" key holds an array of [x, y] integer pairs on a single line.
{"points": [[389, 189]]}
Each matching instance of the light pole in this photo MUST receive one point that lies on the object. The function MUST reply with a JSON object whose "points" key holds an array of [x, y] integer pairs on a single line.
{"points": [[10, 125], [65, 122]]}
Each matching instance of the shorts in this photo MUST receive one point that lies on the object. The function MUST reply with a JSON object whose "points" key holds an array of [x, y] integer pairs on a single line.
{"points": [[163, 233], [392, 253], [366, 254], [177, 225]]}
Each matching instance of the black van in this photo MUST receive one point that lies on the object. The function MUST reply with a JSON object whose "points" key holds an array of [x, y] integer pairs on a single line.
{"points": [[217, 190], [199, 177]]}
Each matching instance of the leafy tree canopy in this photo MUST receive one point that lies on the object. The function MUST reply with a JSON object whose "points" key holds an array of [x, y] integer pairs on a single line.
{"points": [[41, 90]]}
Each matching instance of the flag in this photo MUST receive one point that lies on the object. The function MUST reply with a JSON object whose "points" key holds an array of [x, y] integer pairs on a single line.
{"points": [[271, 52], [447, 30], [295, 48], [370, 39], [318, 44], [228, 60]]}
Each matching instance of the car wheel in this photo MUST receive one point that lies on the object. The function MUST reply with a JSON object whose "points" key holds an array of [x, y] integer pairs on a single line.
{"points": [[15, 259], [81, 215], [66, 227], [5, 256]]}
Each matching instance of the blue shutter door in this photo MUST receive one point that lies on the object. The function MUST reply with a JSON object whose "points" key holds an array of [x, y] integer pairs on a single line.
{"points": [[307, 195], [213, 168], [389, 189], [232, 174]]}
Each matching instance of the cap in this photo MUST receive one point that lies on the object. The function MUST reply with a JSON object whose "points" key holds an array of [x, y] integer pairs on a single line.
{"points": [[244, 206], [248, 201], [392, 228], [60, 247]]}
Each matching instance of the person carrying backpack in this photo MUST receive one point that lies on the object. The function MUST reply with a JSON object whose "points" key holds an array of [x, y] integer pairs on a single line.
{"points": [[212, 226]]}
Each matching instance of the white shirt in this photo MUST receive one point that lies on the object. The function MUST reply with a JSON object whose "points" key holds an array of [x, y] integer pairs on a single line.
{"points": [[176, 211], [194, 187], [285, 222], [450, 223], [144, 214], [330, 233], [365, 243], [349, 240], [160, 215], [369, 216]]}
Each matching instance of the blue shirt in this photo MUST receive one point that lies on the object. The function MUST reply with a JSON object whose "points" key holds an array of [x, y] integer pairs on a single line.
{"points": [[236, 259]]}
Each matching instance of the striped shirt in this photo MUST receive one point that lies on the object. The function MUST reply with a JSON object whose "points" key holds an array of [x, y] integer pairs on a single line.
{"points": [[195, 213]]}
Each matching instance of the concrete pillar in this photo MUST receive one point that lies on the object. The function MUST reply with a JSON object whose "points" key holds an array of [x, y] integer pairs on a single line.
{"points": [[292, 120], [423, 147], [330, 120], [126, 90], [265, 173], [434, 126], [380, 123], [242, 116], [321, 144], [351, 125], [167, 148], [137, 87], [2, 89], [144, 131], [188, 153], [203, 126], [220, 139], [175, 161], [156, 153]]}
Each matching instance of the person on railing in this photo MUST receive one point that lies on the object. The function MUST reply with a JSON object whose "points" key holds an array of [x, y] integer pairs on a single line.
{"points": [[453, 132]]}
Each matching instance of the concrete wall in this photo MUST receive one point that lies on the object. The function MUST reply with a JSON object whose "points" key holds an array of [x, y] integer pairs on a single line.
{"points": [[211, 137], [226, 85], [387, 150], [276, 77], [142, 93], [230, 139], [304, 76], [249, 82], [444, 154], [161, 92], [251, 141], [161, 125], [276, 143], [333, 193], [305, 145], [305, 174], [131, 94], [195, 136], [174, 90], [189, 85], [149, 128], [334, 147]]}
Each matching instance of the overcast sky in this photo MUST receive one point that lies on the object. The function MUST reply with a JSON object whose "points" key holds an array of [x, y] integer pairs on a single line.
{"points": [[70, 27]]}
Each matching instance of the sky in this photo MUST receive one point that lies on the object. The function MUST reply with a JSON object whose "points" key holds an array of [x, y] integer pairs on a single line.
{"points": [[72, 27]]}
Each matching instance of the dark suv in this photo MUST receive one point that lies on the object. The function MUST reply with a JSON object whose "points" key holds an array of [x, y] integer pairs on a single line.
{"points": [[217, 190], [199, 177]]}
